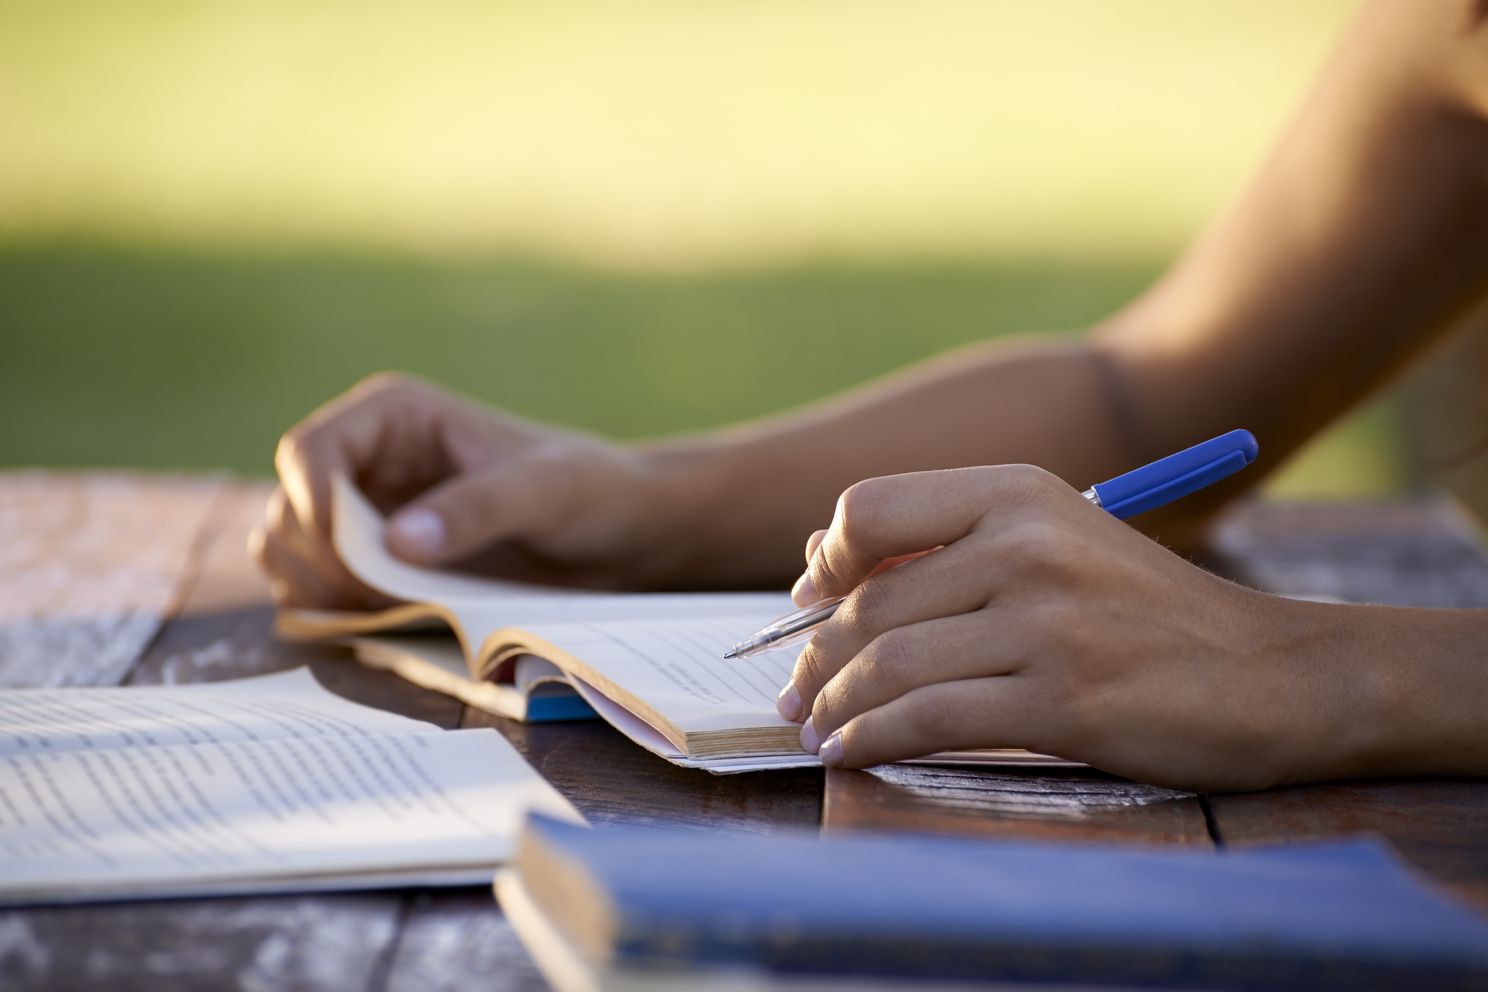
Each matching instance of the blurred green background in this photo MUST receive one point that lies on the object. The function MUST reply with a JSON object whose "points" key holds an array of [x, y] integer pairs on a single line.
{"points": [[636, 217]]}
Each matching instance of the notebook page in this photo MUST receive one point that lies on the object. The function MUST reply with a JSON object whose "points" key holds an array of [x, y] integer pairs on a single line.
{"points": [[677, 667], [153, 790], [287, 704], [483, 605], [165, 818]]}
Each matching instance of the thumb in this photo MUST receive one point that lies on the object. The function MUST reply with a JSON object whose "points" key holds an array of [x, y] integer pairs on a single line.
{"points": [[518, 497]]}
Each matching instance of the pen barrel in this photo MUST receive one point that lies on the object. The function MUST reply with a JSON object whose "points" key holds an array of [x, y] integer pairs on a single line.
{"points": [[1177, 475]]}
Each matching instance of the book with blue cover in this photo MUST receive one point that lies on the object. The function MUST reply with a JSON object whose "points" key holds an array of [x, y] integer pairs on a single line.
{"points": [[641, 906]]}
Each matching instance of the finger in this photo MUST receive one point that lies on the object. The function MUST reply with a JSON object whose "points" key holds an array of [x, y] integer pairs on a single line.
{"points": [[878, 519], [902, 660], [334, 440], [947, 583], [321, 556], [292, 580], [813, 542], [1000, 712], [524, 496]]}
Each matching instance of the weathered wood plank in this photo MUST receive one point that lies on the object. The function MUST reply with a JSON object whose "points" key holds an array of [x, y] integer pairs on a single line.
{"points": [[611, 780], [262, 943], [456, 940], [1440, 827], [1031, 804], [90, 565], [1412, 554]]}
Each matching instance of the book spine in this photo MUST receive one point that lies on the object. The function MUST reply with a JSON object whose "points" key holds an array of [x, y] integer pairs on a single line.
{"points": [[982, 959]]}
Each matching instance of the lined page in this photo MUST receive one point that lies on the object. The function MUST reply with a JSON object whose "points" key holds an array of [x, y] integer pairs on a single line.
{"points": [[677, 667], [143, 790], [288, 704], [173, 818]]}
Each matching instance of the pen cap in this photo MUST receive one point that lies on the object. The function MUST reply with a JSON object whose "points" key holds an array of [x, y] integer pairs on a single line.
{"points": [[1177, 475]]}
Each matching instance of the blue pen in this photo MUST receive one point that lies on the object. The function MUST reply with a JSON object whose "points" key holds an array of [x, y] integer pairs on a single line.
{"points": [[1127, 495]]}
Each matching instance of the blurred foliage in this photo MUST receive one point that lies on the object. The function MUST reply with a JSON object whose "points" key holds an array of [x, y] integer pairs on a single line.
{"points": [[633, 217]]}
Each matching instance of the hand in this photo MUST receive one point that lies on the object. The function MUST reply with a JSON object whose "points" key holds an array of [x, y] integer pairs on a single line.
{"points": [[1041, 622], [465, 484]]}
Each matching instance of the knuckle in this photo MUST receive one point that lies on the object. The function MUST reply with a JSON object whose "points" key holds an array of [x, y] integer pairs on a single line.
{"points": [[813, 668], [807, 669], [291, 443], [1029, 482], [866, 603], [383, 382], [1030, 543], [829, 704], [258, 545], [277, 513], [858, 507], [1041, 547], [885, 660]]}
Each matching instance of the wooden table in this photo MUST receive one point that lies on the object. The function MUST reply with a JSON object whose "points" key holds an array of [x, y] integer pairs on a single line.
{"points": [[116, 579]]}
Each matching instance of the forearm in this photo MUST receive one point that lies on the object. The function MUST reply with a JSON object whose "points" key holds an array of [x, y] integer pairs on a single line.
{"points": [[1358, 244], [1403, 689], [748, 497]]}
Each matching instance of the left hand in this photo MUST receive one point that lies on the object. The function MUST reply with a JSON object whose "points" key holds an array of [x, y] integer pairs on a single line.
{"points": [[1042, 622]]}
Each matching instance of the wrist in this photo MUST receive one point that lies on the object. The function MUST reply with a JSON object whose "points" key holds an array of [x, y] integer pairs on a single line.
{"points": [[698, 503], [1365, 714]]}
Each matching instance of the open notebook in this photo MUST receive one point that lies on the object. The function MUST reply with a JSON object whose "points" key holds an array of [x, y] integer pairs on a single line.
{"points": [[649, 663], [265, 784]]}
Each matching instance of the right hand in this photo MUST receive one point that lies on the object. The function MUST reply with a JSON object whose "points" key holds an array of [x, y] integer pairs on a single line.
{"points": [[465, 485]]}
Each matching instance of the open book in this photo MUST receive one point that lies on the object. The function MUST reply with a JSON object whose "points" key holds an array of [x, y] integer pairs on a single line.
{"points": [[649, 663], [256, 785]]}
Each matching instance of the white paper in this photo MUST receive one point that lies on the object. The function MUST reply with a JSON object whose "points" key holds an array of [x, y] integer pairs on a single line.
{"points": [[164, 797]]}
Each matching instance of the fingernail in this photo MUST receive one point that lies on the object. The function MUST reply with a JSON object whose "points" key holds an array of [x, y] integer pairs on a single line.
{"points": [[788, 703], [804, 591], [809, 740], [420, 531], [830, 752]]}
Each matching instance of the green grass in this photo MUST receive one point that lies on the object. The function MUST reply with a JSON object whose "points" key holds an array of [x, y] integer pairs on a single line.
{"points": [[215, 216], [129, 356]]}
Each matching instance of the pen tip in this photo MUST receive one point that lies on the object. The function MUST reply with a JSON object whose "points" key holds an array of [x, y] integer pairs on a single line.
{"points": [[731, 653]]}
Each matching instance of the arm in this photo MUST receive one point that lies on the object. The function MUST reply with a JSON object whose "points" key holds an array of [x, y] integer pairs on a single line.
{"points": [[1045, 624], [1358, 241]]}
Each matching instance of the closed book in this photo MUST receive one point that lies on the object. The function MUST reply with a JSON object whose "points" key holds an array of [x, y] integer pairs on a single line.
{"points": [[626, 902]]}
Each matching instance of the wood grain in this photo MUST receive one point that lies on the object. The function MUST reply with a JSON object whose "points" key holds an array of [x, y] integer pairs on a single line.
{"points": [[90, 566], [611, 780], [308, 942], [1440, 827], [1030, 804], [456, 940], [1415, 554]]}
